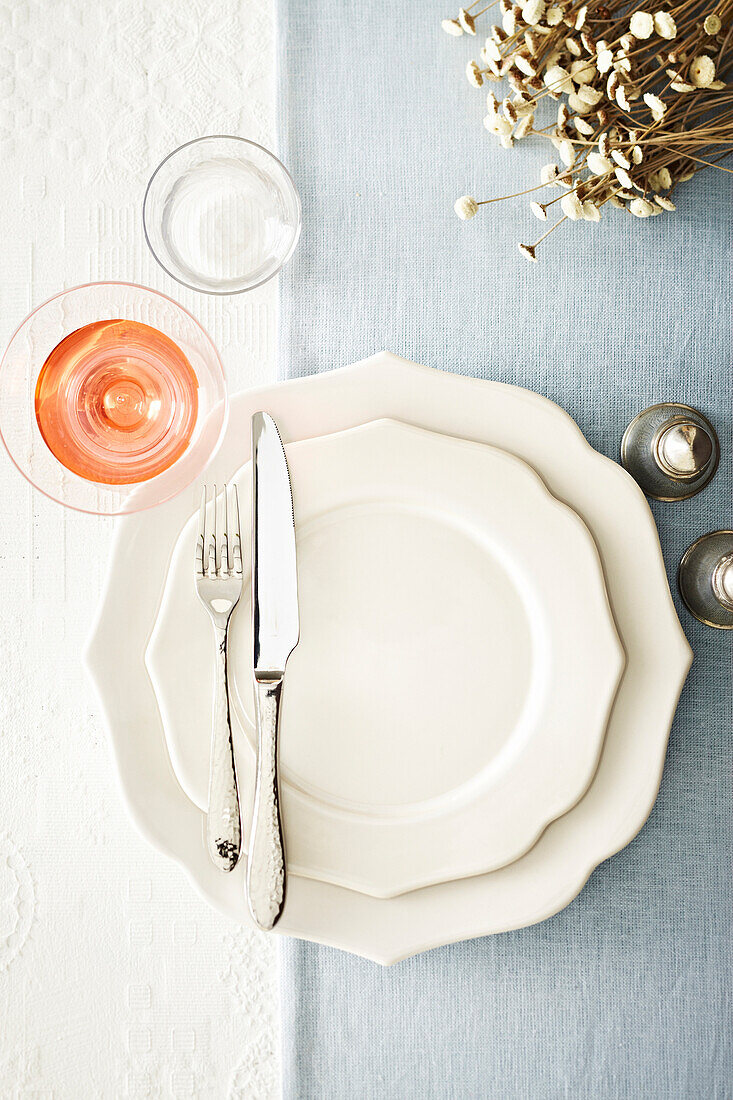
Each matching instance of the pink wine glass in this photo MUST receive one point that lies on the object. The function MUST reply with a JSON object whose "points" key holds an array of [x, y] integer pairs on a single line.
{"points": [[112, 398]]}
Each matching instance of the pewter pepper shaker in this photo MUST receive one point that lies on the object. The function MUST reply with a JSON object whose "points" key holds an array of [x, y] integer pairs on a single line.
{"points": [[705, 579], [671, 450]]}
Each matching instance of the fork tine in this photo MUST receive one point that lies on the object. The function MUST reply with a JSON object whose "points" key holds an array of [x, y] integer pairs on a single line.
{"points": [[237, 536], [219, 533], [212, 541], [225, 563], [201, 540]]}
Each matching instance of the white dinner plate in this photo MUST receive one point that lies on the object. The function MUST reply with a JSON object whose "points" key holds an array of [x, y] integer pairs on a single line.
{"points": [[622, 793], [456, 667]]}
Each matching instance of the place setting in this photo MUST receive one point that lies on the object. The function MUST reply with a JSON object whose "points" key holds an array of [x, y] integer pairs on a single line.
{"points": [[375, 645], [457, 654], [368, 555]]}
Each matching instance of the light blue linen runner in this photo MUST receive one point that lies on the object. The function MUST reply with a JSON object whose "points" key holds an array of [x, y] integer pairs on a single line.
{"points": [[626, 993]]}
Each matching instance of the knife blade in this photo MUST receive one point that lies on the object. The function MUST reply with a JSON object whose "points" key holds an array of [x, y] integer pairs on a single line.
{"points": [[274, 568], [276, 629]]}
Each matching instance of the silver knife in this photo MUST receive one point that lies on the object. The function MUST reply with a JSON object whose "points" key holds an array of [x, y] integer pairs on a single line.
{"points": [[276, 630]]}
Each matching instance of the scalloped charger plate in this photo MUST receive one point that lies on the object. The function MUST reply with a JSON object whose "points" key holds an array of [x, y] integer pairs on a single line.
{"points": [[623, 790]]}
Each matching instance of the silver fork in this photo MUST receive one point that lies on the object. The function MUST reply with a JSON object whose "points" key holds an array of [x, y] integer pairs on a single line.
{"points": [[219, 586]]}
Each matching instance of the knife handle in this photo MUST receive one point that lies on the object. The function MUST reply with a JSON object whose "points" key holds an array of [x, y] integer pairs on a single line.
{"points": [[266, 864], [223, 826]]}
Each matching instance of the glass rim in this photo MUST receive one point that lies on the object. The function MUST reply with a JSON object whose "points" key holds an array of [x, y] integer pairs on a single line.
{"points": [[134, 485], [293, 188]]}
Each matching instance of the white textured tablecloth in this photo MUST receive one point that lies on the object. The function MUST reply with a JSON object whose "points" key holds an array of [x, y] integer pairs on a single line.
{"points": [[116, 980]]}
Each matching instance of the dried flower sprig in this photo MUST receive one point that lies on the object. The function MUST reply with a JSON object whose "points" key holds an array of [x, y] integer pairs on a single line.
{"points": [[645, 101]]}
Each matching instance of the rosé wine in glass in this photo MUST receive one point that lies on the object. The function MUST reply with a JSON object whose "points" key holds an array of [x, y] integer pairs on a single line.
{"points": [[112, 398], [116, 402]]}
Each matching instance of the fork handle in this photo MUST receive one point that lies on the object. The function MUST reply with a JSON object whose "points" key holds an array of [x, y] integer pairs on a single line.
{"points": [[223, 826], [266, 864]]}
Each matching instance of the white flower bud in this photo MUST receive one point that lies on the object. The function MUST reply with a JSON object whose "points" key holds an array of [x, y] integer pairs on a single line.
{"points": [[622, 98], [567, 153], [590, 95], [665, 25], [466, 207], [583, 72], [624, 178], [572, 207], [598, 164], [533, 11], [656, 105], [467, 22], [549, 173], [474, 75], [702, 71], [579, 105], [641, 24], [640, 208], [558, 79], [524, 126]]}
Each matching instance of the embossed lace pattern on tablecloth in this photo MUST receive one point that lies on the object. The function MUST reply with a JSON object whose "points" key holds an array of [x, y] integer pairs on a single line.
{"points": [[626, 993], [116, 979]]}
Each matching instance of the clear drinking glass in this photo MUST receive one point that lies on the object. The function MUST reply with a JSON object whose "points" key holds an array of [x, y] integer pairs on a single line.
{"points": [[112, 398], [221, 215]]}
